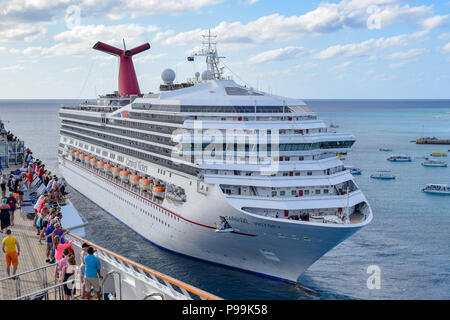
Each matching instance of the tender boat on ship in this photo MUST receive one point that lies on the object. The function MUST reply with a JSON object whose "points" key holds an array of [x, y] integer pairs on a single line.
{"points": [[399, 158], [437, 189], [434, 163], [383, 175]]}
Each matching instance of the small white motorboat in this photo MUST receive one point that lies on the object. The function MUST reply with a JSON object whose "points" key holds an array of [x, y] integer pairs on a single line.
{"points": [[434, 163], [383, 175]]}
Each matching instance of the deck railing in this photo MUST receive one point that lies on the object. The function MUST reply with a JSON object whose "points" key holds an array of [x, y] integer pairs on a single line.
{"points": [[176, 288]]}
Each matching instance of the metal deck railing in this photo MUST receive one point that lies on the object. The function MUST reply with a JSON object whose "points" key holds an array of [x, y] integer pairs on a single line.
{"points": [[167, 286]]}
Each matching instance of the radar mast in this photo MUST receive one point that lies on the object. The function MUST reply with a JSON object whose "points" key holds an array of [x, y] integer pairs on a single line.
{"points": [[209, 51]]}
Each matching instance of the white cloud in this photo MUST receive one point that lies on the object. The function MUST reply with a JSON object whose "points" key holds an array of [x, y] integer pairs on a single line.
{"points": [[11, 68], [326, 18], [401, 64], [162, 35], [149, 57], [80, 39], [412, 53], [368, 46], [434, 22], [72, 70], [278, 55], [20, 32], [446, 48], [444, 36], [340, 67]]}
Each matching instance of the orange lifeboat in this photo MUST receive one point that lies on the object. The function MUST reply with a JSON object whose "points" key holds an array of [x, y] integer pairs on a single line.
{"points": [[72, 151], [82, 155], [93, 161], [107, 167], [77, 154], [158, 191], [100, 164], [87, 158], [134, 179], [116, 171], [124, 175], [145, 183]]}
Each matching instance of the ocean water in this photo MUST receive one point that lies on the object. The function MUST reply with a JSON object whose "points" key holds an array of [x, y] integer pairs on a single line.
{"points": [[408, 239]]}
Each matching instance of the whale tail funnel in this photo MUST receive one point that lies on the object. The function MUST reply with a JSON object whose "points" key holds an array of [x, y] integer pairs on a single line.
{"points": [[128, 83]]}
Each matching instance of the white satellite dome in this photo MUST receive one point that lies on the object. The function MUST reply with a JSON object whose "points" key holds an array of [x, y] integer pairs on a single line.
{"points": [[168, 76], [207, 75]]}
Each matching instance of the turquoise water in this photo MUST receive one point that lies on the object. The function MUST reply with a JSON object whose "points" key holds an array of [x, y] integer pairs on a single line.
{"points": [[409, 238]]}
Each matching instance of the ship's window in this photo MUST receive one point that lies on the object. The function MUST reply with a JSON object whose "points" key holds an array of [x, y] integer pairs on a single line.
{"points": [[282, 193], [309, 173], [325, 191], [285, 174], [297, 173], [306, 192], [293, 192], [274, 193], [318, 191]]}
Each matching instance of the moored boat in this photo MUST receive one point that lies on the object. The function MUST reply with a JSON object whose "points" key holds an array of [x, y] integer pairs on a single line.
{"points": [[383, 175], [438, 154], [437, 189], [434, 163], [399, 158]]}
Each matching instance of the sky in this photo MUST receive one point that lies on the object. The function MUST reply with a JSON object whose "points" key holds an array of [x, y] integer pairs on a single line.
{"points": [[348, 49]]}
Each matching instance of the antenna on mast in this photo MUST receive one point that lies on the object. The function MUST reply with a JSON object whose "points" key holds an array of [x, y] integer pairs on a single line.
{"points": [[212, 58], [124, 46]]}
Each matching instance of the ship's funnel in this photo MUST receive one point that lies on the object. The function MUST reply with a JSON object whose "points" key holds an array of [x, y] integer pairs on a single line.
{"points": [[128, 84]]}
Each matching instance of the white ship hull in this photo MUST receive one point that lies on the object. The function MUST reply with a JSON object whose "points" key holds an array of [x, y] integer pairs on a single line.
{"points": [[277, 248]]}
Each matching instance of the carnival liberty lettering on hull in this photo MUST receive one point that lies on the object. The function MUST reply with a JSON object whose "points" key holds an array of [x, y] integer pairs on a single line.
{"points": [[278, 200]]}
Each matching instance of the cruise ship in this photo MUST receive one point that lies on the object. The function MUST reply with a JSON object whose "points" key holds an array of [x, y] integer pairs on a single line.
{"points": [[214, 170]]}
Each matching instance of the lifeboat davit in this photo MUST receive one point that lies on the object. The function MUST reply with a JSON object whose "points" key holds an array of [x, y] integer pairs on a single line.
{"points": [[107, 167], [145, 183], [124, 175], [116, 171], [100, 164], [158, 191], [134, 179]]}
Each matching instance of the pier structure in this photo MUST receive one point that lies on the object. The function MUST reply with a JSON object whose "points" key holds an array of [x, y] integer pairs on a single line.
{"points": [[433, 140]]}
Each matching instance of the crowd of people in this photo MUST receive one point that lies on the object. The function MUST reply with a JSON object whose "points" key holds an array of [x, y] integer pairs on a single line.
{"points": [[48, 224]]}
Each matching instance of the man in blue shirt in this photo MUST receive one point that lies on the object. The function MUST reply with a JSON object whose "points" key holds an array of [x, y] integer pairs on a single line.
{"points": [[48, 235], [92, 274]]}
